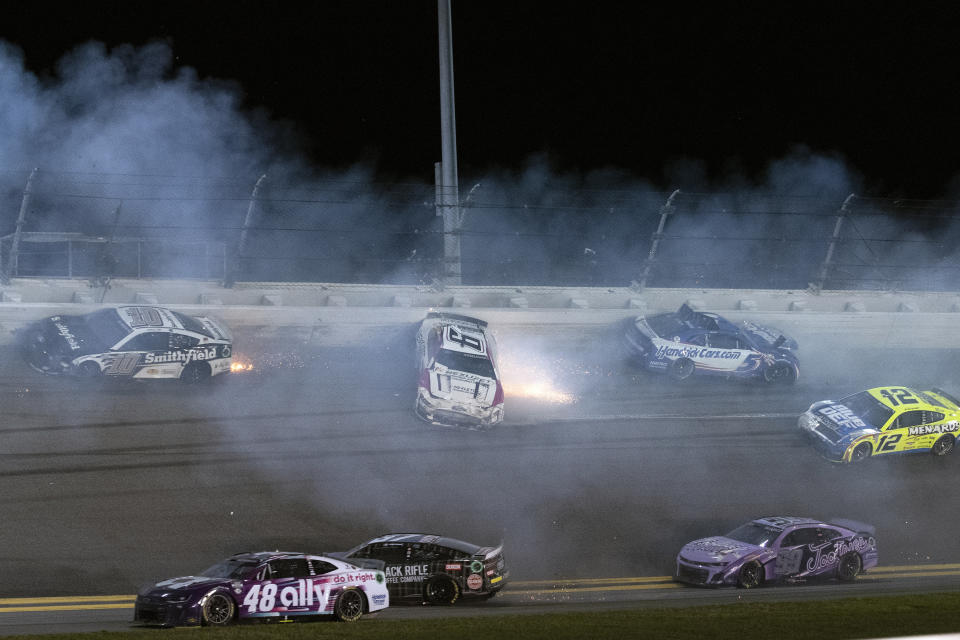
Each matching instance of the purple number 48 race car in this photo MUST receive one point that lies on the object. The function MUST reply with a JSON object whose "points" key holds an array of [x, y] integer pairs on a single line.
{"points": [[779, 548]]}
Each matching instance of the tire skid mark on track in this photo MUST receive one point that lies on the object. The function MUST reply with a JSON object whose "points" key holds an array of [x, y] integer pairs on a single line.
{"points": [[198, 420]]}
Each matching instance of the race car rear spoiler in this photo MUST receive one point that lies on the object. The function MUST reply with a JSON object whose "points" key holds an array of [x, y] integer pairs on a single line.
{"points": [[946, 396], [443, 315], [854, 525]]}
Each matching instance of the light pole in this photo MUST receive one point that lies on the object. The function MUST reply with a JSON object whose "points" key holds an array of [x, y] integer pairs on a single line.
{"points": [[448, 192]]}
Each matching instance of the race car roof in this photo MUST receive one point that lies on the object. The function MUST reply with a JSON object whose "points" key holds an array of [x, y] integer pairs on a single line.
{"points": [[782, 522], [138, 316], [889, 397], [686, 322], [464, 339], [260, 556], [426, 538]]}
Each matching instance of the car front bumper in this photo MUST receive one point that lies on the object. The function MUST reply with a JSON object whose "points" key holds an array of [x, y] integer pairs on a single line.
{"points": [[807, 426], [158, 613], [700, 574]]}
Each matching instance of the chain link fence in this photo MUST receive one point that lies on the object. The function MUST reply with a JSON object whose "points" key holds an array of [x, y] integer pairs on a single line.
{"points": [[152, 226]]}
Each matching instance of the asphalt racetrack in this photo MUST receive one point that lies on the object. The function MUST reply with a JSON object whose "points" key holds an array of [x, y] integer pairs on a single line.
{"points": [[595, 480]]}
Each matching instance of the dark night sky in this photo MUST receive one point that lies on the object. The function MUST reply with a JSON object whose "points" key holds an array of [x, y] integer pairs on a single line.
{"points": [[636, 86]]}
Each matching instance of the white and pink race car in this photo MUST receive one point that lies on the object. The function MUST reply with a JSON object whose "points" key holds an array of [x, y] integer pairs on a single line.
{"points": [[459, 383]]}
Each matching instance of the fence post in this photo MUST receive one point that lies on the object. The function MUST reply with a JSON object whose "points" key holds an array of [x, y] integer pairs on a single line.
{"points": [[825, 266], [231, 276], [665, 211], [21, 218]]}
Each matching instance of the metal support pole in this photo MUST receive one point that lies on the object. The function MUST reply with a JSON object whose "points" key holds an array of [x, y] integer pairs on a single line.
{"points": [[665, 212], [825, 266], [448, 187], [21, 218], [230, 278]]}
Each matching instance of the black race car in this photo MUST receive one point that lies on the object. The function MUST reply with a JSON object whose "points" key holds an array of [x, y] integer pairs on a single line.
{"points": [[431, 568], [129, 341]]}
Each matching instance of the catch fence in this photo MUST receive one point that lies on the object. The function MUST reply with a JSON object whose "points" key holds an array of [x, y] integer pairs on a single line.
{"points": [[148, 226]]}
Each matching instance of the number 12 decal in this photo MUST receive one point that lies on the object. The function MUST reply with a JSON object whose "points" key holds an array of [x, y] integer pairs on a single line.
{"points": [[898, 396], [888, 443]]}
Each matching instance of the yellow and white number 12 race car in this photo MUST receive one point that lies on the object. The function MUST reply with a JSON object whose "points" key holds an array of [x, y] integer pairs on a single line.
{"points": [[883, 421]]}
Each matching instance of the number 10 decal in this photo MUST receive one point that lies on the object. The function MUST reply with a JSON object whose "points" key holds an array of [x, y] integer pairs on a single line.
{"points": [[122, 364]]}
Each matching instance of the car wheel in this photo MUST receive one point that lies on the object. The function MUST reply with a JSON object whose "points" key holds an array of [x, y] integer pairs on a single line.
{"points": [[780, 373], [89, 369], [943, 445], [751, 575], [349, 606], [195, 373], [681, 368], [218, 610], [850, 566], [441, 590], [861, 452]]}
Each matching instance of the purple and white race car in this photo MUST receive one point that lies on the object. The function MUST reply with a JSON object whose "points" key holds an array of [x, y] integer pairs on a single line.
{"points": [[779, 548], [264, 586]]}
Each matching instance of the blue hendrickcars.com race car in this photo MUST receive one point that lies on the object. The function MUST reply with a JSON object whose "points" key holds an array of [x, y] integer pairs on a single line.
{"points": [[686, 341]]}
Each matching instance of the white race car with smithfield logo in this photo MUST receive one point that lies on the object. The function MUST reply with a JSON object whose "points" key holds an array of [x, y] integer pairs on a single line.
{"points": [[129, 341], [459, 383]]}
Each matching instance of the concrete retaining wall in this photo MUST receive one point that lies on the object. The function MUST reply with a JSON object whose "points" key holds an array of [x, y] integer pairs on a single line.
{"points": [[338, 314]]}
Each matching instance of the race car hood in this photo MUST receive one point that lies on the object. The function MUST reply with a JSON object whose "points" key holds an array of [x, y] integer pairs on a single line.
{"points": [[838, 423], [769, 337], [459, 386], [67, 336], [718, 549], [363, 563], [184, 584]]}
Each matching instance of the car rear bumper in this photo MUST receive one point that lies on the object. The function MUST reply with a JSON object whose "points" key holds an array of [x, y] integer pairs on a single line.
{"points": [[444, 412]]}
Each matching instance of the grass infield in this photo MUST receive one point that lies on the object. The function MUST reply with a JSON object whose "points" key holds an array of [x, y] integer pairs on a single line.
{"points": [[846, 618]]}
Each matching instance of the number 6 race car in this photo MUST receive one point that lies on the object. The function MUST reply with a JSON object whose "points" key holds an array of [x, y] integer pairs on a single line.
{"points": [[265, 585], [882, 421], [686, 342], [458, 379], [137, 342], [779, 548]]}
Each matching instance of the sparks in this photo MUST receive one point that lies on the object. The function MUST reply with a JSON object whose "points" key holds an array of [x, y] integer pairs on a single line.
{"points": [[538, 391], [527, 380]]}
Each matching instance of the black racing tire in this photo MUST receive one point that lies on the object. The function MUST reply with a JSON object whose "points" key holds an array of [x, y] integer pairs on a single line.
{"points": [[218, 610], [349, 606], [751, 575], [780, 373], [851, 564], [861, 452], [943, 446], [195, 373], [681, 369], [441, 590], [89, 369]]}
